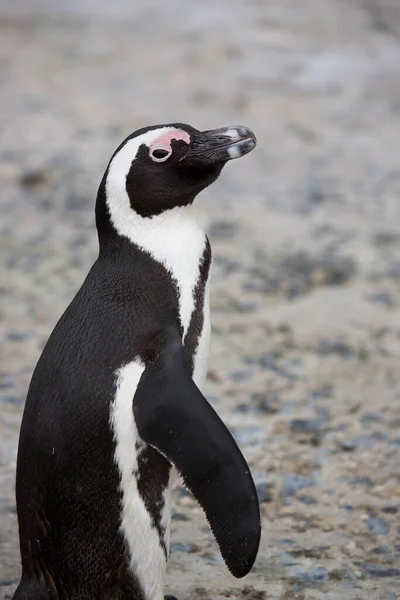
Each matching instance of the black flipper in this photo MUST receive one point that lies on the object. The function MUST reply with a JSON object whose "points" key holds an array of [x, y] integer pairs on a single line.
{"points": [[173, 416]]}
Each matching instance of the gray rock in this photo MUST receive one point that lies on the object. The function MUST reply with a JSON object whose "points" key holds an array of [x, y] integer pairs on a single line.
{"points": [[180, 547], [6, 381], [177, 516], [17, 336], [380, 570], [222, 229], [339, 347], [309, 430], [287, 560], [370, 417], [315, 575], [307, 500], [390, 510], [348, 445], [384, 298], [240, 375], [267, 403], [264, 489], [377, 526], [294, 482], [12, 399]]}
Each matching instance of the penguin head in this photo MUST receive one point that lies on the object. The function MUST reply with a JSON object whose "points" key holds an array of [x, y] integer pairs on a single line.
{"points": [[161, 167]]}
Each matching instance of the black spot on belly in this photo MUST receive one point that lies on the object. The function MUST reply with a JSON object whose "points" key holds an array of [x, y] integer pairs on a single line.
{"points": [[197, 319], [153, 478]]}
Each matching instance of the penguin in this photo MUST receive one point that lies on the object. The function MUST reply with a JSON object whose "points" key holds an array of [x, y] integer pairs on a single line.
{"points": [[114, 406]]}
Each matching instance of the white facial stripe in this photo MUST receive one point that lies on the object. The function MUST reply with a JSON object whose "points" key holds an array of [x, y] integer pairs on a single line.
{"points": [[147, 556], [122, 161], [173, 238]]}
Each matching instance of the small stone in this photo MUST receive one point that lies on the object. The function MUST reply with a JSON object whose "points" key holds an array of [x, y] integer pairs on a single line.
{"points": [[6, 381], [241, 408], [286, 542], [16, 336], [380, 570], [33, 178], [304, 425], [307, 500], [222, 229], [178, 516], [362, 481], [377, 526], [245, 307], [348, 445], [267, 403], [379, 436], [308, 430], [287, 560], [384, 298], [315, 575], [264, 491], [248, 436], [180, 547], [325, 391], [390, 510], [183, 492], [370, 417], [384, 552], [12, 399], [339, 347], [294, 482], [240, 375]]}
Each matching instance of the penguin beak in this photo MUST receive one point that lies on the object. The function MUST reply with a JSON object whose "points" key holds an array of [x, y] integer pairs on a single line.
{"points": [[220, 145]]}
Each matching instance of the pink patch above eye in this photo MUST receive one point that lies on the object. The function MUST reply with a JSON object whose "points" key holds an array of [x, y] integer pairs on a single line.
{"points": [[164, 141]]}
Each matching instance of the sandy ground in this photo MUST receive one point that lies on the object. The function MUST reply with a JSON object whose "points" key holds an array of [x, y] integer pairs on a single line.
{"points": [[306, 238]]}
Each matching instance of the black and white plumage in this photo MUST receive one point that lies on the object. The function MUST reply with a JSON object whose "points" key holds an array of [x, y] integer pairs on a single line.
{"points": [[114, 400]]}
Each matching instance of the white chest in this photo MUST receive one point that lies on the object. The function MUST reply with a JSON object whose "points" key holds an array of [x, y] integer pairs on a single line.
{"points": [[176, 240]]}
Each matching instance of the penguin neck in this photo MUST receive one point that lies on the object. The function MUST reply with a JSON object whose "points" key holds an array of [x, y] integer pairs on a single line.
{"points": [[173, 238]]}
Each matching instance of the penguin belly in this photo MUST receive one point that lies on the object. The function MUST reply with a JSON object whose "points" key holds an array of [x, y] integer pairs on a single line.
{"points": [[146, 476]]}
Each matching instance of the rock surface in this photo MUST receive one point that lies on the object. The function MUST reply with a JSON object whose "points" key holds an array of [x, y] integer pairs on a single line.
{"points": [[305, 232]]}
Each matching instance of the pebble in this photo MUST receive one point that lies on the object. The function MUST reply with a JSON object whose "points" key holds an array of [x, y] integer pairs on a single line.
{"points": [[287, 560], [343, 349], [12, 399], [307, 500], [390, 510], [380, 570], [6, 381], [17, 336], [310, 429], [384, 552], [294, 482], [222, 229], [240, 375], [377, 526], [362, 481], [264, 491], [249, 435], [348, 445], [370, 417], [178, 516], [267, 403], [317, 574], [180, 547], [384, 298]]}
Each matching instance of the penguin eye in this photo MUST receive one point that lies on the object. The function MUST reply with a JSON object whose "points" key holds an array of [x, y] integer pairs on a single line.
{"points": [[160, 154]]}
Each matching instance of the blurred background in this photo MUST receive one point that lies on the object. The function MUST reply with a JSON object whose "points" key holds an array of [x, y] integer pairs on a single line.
{"points": [[305, 232]]}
